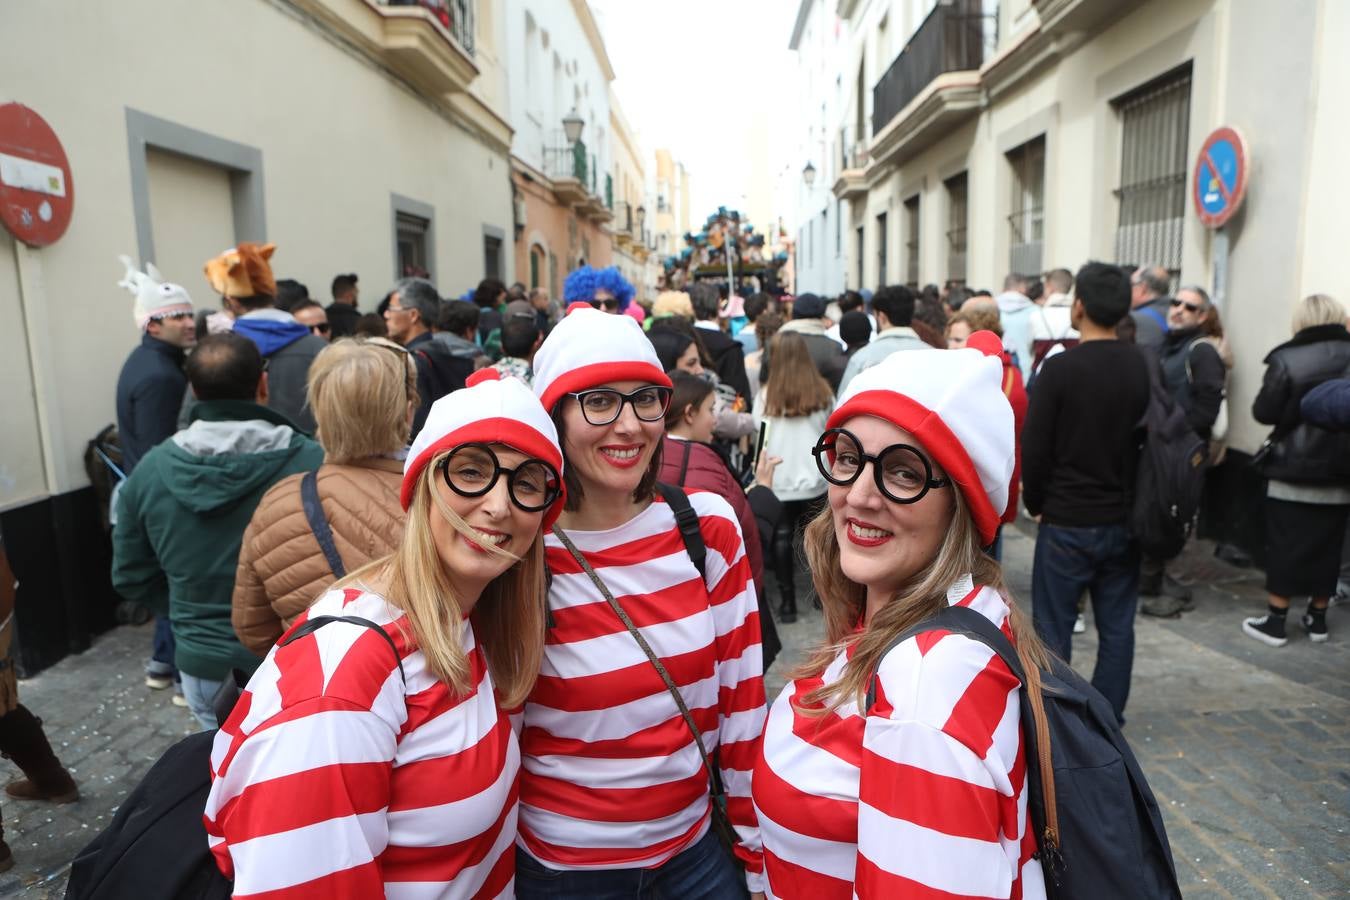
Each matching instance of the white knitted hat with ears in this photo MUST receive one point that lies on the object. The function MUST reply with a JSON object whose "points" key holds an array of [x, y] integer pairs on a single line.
{"points": [[154, 296], [589, 348], [491, 410], [952, 401]]}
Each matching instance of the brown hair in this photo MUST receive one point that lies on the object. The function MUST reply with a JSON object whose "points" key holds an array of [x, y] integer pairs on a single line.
{"points": [[979, 316], [845, 604], [795, 388], [360, 392], [508, 618], [766, 326], [688, 390], [645, 490]]}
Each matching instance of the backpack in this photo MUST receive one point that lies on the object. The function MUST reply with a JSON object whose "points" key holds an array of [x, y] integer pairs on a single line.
{"points": [[1169, 478], [687, 520], [1098, 829], [1044, 348], [156, 844], [1218, 432]]}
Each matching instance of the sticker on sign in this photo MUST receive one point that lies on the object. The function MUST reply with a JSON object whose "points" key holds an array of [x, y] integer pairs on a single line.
{"points": [[31, 175]]}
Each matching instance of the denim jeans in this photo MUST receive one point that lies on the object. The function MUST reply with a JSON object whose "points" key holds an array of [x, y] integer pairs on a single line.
{"points": [[199, 692], [1104, 560], [162, 648], [702, 872]]}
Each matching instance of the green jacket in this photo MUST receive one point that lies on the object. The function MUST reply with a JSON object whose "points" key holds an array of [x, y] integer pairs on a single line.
{"points": [[181, 518]]}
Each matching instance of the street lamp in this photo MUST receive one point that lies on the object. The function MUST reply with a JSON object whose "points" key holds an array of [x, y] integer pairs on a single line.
{"points": [[641, 216], [572, 125], [809, 174]]}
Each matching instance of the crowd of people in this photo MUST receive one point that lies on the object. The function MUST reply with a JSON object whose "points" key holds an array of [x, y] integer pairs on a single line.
{"points": [[561, 516]]}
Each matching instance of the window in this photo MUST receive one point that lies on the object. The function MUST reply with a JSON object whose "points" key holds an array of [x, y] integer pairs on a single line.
{"points": [[536, 265], [1027, 218], [912, 242], [956, 228], [492, 256], [859, 256], [1154, 123], [411, 238], [881, 250]]}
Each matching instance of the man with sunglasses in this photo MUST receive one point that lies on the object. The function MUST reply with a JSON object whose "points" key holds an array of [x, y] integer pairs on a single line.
{"points": [[1194, 374], [311, 315], [414, 306]]}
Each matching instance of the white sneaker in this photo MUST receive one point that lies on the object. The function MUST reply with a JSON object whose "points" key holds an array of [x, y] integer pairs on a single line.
{"points": [[1079, 624]]}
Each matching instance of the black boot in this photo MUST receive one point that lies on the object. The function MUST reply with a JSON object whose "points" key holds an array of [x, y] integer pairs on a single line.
{"points": [[783, 570], [22, 740]]}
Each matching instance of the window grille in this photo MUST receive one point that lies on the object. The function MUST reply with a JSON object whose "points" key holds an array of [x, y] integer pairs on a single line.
{"points": [[957, 197], [912, 242], [1155, 121], [1027, 219]]}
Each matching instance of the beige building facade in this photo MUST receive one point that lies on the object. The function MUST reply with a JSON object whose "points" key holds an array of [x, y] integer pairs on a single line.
{"points": [[357, 136], [671, 191], [632, 254]]}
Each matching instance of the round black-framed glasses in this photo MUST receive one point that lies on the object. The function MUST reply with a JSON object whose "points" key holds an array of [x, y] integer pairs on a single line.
{"points": [[471, 470], [601, 406], [902, 472]]}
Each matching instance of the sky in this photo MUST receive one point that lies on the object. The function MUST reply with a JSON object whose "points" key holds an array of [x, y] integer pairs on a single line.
{"points": [[669, 57]]}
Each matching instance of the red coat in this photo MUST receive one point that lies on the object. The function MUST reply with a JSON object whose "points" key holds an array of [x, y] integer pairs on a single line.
{"points": [[705, 471], [1016, 393]]}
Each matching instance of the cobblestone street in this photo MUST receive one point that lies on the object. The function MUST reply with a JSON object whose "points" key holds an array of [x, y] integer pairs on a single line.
{"points": [[1247, 747]]}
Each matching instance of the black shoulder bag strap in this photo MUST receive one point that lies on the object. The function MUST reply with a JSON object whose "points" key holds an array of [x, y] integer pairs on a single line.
{"points": [[721, 822], [687, 520], [684, 461], [227, 695], [318, 522]]}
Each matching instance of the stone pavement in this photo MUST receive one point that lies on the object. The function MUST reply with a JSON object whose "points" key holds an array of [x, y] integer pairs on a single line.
{"points": [[1247, 747]]}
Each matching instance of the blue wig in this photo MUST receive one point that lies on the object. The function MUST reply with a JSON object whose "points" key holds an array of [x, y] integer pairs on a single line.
{"points": [[582, 284]]}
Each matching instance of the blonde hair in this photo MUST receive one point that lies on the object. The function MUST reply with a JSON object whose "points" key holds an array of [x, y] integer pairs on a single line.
{"points": [[1318, 309], [795, 388], [673, 303], [508, 619], [845, 604], [359, 390], [978, 316]]}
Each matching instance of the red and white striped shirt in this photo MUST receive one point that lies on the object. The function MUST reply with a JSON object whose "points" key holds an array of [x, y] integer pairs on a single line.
{"points": [[332, 779], [922, 797], [612, 778]]}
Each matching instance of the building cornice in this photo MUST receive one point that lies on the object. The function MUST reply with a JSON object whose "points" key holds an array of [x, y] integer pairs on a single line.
{"points": [[583, 11], [803, 13]]}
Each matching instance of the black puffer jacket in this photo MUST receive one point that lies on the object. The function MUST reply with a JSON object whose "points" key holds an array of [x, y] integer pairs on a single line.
{"points": [[1303, 453]]}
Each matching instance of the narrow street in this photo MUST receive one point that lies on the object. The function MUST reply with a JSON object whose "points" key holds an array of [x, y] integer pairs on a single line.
{"points": [[1247, 748]]}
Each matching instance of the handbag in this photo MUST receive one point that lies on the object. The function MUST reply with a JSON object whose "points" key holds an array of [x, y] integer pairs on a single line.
{"points": [[721, 823]]}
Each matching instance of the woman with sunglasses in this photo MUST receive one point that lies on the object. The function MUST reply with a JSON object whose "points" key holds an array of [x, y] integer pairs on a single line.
{"points": [[370, 758], [604, 289], [615, 791], [922, 792]]}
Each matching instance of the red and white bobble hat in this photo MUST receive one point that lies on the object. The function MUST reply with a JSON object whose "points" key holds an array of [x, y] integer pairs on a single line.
{"points": [[589, 348], [491, 410], [952, 402]]}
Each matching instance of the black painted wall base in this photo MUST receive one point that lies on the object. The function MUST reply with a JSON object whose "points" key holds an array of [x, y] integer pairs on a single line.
{"points": [[1233, 508], [62, 558]]}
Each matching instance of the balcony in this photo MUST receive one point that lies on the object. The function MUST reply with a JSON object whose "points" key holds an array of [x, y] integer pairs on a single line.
{"points": [[566, 168], [1069, 16], [623, 225], [934, 83], [853, 161], [429, 43]]}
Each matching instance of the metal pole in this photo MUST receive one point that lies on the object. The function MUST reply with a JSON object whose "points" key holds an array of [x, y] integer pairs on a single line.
{"points": [[1220, 283]]}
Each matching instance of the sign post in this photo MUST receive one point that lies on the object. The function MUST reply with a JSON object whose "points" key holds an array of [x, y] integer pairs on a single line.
{"points": [[1221, 170]]}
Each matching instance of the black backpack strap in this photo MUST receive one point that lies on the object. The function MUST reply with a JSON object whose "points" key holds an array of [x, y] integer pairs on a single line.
{"points": [[318, 522], [961, 620], [687, 520], [312, 625], [684, 462]]}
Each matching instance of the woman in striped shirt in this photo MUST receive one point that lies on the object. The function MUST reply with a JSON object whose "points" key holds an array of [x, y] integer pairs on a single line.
{"points": [[350, 770], [923, 793], [615, 797]]}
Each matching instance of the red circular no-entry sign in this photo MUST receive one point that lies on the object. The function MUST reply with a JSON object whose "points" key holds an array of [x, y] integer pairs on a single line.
{"points": [[37, 195]]}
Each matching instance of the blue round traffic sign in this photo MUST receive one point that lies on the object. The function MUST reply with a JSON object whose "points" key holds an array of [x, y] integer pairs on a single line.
{"points": [[1220, 177]]}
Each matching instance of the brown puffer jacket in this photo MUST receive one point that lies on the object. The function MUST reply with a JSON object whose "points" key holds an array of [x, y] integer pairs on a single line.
{"points": [[281, 568]]}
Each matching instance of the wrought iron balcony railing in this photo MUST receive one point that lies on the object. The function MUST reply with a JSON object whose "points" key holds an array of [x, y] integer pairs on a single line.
{"points": [[954, 38]]}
